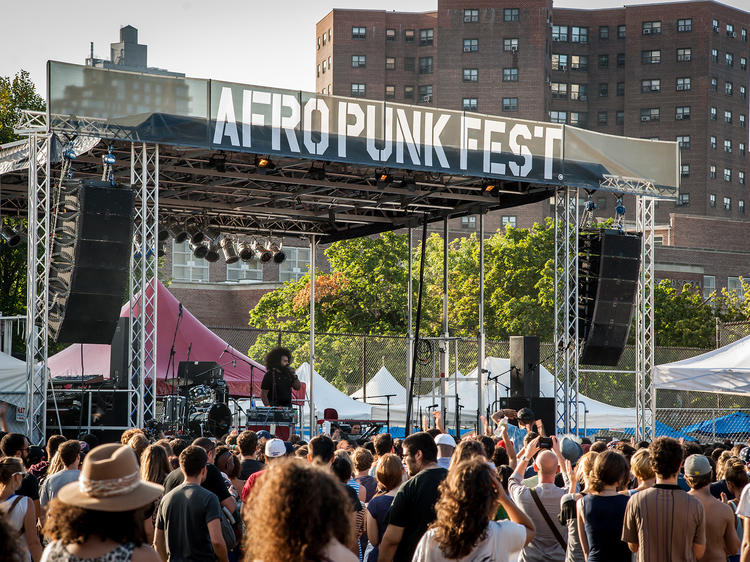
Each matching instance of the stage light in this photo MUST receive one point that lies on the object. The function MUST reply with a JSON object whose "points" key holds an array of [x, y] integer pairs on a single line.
{"points": [[177, 231], [199, 250], [264, 163], [275, 248], [219, 162], [264, 255], [195, 233], [213, 253], [490, 187], [317, 171], [163, 231], [384, 178], [227, 247], [246, 252], [11, 236]]}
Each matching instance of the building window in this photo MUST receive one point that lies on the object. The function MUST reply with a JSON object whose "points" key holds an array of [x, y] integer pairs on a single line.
{"points": [[558, 116], [728, 88], [684, 170], [734, 285], [621, 88], [649, 114], [559, 62], [651, 27], [185, 266], [743, 34], [426, 36], [390, 63], [359, 33], [683, 200], [358, 90], [510, 14], [425, 94], [620, 117], [709, 285], [714, 85], [729, 59], [684, 25], [425, 65], [578, 118], [409, 92], [508, 221], [603, 32], [728, 117], [712, 113], [318, 71], [601, 117], [390, 91], [712, 200], [727, 203], [741, 206], [682, 113], [358, 61], [742, 120], [469, 104], [727, 174], [295, 265], [409, 35], [603, 90], [743, 92], [727, 145], [579, 92], [471, 45], [390, 34], [469, 223], [741, 149], [510, 45], [559, 32], [559, 90], [471, 74], [683, 142], [471, 16], [579, 34], [651, 57], [603, 61], [730, 31], [684, 55], [621, 31], [620, 60], [653, 85], [408, 63], [510, 104], [324, 66], [714, 55], [579, 62], [741, 177], [510, 75], [683, 84], [743, 63], [241, 271], [715, 25], [319, 43], [712, 172], [713, 142]]}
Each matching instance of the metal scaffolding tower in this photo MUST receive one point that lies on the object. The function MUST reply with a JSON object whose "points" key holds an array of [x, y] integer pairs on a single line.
{"points": [[645, 396]]}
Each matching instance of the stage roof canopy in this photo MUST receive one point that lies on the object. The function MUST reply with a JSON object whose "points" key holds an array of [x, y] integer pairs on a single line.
{"points": [[259, 160]]}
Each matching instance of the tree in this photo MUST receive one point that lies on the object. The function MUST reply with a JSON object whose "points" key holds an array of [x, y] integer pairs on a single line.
{"points": [[16, 93]]}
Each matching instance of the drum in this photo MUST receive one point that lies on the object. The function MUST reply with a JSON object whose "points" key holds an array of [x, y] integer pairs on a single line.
{"points": [[174, 408], [199, 394], [213, 421], [220, 392]]}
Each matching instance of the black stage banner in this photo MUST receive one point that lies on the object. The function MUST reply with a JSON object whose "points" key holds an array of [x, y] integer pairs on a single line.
{"points": [[269, 121]]}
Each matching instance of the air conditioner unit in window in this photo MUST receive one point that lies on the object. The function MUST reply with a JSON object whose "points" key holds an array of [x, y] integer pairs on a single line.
{"points": [[467, 49], [514, 49], [647, 32], [562, 67], [645, 118], [427, 98]]}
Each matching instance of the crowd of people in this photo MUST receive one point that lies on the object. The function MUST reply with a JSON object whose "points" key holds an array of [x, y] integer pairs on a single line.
{"points": [[511, 493]]}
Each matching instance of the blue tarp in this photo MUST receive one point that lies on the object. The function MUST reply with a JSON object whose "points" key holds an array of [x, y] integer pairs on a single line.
{"points": [[731, 424], [663, 430]]}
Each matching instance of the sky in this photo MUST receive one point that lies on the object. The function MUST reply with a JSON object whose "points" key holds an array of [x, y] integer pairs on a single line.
{"points": [[245, 41]]}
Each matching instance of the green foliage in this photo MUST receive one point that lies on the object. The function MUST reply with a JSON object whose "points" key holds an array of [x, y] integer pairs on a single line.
{"points": [[16, 93], [12, 274]]}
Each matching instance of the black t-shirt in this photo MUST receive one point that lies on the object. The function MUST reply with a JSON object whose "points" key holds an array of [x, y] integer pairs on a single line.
{"points": [[716, 488], [354, 497], [250, 466], [278, 383], [29, 487], [413, 508], [213, 482], [184, 515]]}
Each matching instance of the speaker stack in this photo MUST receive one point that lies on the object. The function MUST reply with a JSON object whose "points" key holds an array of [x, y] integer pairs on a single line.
{"points": [[93, 232], [524, 381], [608, 270]]}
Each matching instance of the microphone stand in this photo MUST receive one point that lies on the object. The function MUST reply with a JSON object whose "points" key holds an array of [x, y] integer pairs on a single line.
{"points": [[172, 351], [252, 373]]}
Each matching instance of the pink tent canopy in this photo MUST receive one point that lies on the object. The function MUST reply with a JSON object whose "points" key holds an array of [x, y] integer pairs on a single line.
{"points": [[203, 343]]}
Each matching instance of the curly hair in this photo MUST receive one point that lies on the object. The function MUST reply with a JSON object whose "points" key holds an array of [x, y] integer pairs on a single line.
{"points": [[467, 497], [467, 449], [295, 491], [273, 358], [71, 524], [666, 456]]}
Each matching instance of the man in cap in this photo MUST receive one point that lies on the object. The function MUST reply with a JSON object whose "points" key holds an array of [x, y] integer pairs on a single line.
{"points": [[275, 449], [526, 423], [445, 446], [721, 534]]}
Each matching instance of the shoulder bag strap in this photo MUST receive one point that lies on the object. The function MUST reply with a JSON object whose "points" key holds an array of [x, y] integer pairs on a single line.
{"points": [[548, 519]]}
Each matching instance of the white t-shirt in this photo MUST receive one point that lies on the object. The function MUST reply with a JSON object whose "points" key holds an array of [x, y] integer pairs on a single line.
{"points": [[743, 506], [504, 541]]}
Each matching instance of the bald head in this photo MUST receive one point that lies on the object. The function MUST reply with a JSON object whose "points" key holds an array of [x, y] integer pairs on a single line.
{"points": [[546, 463]]}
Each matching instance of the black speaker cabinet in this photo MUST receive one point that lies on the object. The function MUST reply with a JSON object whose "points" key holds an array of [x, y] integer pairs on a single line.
{"points": [[543, 408], [119, 354], [608, 270], [524, 366], [90, 259]]}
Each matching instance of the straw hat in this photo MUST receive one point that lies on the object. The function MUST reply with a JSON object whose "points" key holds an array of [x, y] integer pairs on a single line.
{"points": [[110, 481]]}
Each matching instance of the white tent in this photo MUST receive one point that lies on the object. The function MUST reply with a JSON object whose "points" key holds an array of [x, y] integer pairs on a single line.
{"points": [[382, 384], [12, 387], [726, 369], [328, 396]]}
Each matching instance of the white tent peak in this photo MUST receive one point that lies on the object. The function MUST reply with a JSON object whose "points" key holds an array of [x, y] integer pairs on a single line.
{"points": [[381, 384], [328, 396]]}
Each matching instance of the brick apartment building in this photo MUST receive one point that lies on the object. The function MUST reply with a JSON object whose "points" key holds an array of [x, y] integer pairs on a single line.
{"points": [[672, 71]]}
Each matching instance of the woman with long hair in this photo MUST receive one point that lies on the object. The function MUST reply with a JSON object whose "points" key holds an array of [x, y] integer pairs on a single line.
{"points": [[465, 450], [155, 468], [463, 529], [389, 475], [17, 510], [300, 513]]}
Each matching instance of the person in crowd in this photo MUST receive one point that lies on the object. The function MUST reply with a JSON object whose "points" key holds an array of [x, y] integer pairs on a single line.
{"points": [[383, 446], [279, 380], [640, 466], [527, 422], [155, 468], [40, 470], [10, 547], [720, 485], [413, 508], [138, 443], [188, 526], [541, 504], [650, 528], [213, 481], [178, 445], [69, 454], [164, 443], [363, 460], [224, 461], [389, 476], [100, 517], [463, 529], [247, 441], [343, 469], [465, 450], [598, 446], [446, 445], [16, 445], [300, 513], [320, 450], [585, 444], [275, 451], [737, 480], [128, 434], [602, 511], [581, 476], [721, 533], [18, 510]]}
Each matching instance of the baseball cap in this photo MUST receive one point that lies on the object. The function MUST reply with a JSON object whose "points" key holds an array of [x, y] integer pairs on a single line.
{"points": [[745, 455], [263, 434], [445, 439], [525, 414], [570, 448], [697, 465], [275, 448]]}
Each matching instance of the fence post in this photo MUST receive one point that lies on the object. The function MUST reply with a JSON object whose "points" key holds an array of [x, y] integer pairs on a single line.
{"points": [[718, 333], [364, 368]]}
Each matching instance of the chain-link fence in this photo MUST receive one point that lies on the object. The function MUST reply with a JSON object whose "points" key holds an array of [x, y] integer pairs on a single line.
{"points": [[729, 332]]}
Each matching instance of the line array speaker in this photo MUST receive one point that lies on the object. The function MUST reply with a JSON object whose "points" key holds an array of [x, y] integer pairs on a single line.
{"points": [[90, 258], [608, 269]]}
